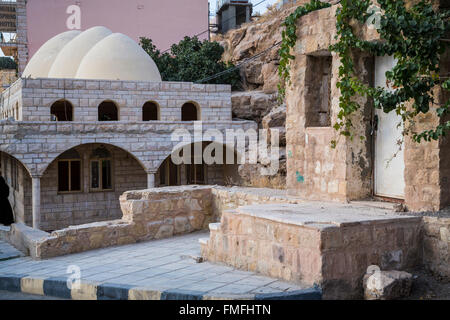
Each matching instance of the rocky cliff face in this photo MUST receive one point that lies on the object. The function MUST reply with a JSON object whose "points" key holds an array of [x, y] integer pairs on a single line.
{"points": [[258, 100]]}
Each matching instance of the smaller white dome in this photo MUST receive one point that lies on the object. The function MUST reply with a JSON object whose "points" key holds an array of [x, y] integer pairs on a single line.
{"points": [[118, 57], [69, 58], [40, 64]]}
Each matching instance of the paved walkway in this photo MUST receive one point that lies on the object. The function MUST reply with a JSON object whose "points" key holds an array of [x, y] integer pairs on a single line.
{"points": [[159, 265], [8, 252]]}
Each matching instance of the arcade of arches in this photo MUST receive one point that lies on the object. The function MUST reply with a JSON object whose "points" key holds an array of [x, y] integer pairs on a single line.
{"points": [[83, 184]]}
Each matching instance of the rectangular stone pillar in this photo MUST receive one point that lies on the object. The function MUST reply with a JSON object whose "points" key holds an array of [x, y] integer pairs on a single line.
{"points": [[247, 14], [36, 201], [150, 180]]}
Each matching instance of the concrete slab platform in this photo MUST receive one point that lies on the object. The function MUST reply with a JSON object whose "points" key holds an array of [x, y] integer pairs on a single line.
{"points": [[322, 215], [328, 244]]}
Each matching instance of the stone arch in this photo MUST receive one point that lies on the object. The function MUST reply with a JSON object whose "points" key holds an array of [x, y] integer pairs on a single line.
{"points": [[141, 162], [28, 170], [62, 110], [151, 111], [87, 181], [181, 145], [19, 179], [165, 161], [190, 111], [108, 110]]}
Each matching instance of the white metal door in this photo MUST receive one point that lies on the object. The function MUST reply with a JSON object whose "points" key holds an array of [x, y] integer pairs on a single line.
{"points": [[389, 159]]}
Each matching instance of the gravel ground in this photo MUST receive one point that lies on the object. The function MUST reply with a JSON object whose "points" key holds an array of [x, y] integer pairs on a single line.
{"points": [[438, 214], [428, 287]]}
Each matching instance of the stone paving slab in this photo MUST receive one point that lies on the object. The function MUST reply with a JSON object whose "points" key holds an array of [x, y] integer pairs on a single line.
{"points": [[160, 269], [8, 252]]}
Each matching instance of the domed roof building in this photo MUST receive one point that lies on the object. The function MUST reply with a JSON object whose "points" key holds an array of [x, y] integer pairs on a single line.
{"points": [[96, 53], [42, 61], [70, 56], [125, 60], [94, 119]]}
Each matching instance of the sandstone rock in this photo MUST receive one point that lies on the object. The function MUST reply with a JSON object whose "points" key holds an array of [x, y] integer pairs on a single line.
{"points": [[252, 105], [270, 77], [257, 37], [386, 285], [275, 118]]}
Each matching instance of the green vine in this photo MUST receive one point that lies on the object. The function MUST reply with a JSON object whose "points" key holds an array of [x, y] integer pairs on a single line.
{"points": [[289, 38], [413, 36]]}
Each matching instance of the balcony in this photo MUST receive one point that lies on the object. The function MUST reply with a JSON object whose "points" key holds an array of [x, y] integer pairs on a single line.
{"points": [[223, 3]]}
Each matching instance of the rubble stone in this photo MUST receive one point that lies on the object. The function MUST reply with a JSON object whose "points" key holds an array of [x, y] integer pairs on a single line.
{"points": [[386, 285]]}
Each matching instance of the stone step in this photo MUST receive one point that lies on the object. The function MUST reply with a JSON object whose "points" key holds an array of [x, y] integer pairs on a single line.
{"points": [[320, 243], [203, 241]]}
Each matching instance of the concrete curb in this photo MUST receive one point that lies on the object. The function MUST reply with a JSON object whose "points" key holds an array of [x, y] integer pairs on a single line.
{"points": [[57, 287]]}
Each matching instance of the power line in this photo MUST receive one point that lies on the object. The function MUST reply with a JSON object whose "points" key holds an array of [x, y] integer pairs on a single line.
{"points": [[237, 66], [235, 16]]}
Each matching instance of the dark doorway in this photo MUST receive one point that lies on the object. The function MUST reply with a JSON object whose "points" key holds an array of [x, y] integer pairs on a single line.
{"points": [[189, 112], [107, 111], [62, 110], [150, 112]]}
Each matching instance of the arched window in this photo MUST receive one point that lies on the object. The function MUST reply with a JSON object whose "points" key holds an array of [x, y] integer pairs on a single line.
{"points": [[101, 170], [62, 110], [69, 171], [189, 112], [107, 111], [150, 111]]}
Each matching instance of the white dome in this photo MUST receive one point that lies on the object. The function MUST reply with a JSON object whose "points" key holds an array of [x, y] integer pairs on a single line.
{"points": [[118, 57], [41, 62], [69, 58]]}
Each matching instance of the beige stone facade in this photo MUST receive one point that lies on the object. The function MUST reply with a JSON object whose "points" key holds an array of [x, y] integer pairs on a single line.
{"points": [[315, 170]]}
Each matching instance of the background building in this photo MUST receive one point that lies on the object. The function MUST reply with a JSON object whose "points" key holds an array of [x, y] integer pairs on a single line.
{"points": [[26, 25]]}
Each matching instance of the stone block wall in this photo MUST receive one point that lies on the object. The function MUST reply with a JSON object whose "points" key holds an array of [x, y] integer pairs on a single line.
{"points": [[334, 257], [38, 95], [21, 38], [147, 215], [315, 170], [37, 144], [168, 211], [436, 246]]}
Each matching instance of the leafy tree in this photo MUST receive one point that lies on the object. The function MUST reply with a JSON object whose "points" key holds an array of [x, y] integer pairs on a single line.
{"points": [[192, 60], [7, 63]]}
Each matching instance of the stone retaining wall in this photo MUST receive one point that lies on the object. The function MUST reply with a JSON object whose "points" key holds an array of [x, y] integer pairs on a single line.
{"points": [[147, 215], [436, 245], [332, 256]]}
